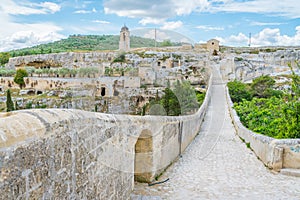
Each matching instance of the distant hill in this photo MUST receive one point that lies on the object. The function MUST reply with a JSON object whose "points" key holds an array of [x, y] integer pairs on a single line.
{"points": [[87, 43]]}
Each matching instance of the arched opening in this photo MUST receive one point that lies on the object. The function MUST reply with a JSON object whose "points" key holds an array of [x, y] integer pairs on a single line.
{"points": [[143, 161], [103, 91], [39, 92]]}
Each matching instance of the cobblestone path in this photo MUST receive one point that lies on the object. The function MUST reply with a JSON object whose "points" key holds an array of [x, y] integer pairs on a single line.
{"points": [[218, 165]]}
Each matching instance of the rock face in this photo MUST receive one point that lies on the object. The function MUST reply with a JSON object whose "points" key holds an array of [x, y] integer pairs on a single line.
{"points": [[67, 60], [248, 66]]}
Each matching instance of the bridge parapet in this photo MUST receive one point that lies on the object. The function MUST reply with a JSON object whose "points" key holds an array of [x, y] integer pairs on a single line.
{"points": [[276, 154], [74, 154]]}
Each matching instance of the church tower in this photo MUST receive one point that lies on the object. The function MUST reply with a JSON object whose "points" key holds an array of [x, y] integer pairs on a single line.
{"points": [[124, 43]]}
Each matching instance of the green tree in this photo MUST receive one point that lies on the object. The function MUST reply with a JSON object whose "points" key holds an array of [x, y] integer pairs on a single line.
{"points": [[63, 72], [120, 58], [7, 72], [4, 58], [263, 86], [73, 72], [19, 77], [295, 85], [30, 70], [9, 102], [39, 72], [170, 103], [186, 96], [166, 43]]}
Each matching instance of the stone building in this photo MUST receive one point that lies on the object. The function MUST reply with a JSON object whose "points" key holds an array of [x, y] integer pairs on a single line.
{"points": [[213, 45], [210, 45], [124, 43]]}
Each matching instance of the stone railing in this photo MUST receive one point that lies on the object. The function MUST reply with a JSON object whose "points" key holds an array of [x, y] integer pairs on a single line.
{"points": [[274, 153], [74, 154]]}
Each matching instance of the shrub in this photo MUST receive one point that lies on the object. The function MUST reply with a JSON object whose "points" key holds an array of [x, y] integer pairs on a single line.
{"points": [[19, 77], [239, 91], [263, 86]]}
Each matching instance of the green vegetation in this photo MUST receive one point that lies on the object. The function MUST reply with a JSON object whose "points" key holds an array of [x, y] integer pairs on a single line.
{"points": [[59, 72], [200, 97], [19, 77], [166, 43], [262, 87], [181, 100], [82, 43], [120, 58], [265, 110], [272, 117], [238, 59], [6, 72], [4, 57], [9, 102], [239, 91]]}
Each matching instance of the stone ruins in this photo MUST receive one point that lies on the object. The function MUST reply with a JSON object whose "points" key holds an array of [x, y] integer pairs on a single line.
{"points": [[73, 153]]}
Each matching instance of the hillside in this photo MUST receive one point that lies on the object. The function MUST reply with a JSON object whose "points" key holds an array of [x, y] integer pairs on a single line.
{"points": [[86, 43]]}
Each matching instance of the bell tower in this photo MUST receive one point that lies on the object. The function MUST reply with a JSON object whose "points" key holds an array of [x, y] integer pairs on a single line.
{"points": [[124, 43]]}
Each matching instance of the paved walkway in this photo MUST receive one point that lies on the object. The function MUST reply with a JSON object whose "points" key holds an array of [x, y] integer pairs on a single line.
{"points": [[217, 165]]}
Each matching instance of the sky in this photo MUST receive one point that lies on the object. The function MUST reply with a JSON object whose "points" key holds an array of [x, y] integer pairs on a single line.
{"points": [[25, 23]]}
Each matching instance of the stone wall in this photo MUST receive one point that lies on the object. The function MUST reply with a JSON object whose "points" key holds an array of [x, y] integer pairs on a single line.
{"points": [[274, 153], [74, 154]]}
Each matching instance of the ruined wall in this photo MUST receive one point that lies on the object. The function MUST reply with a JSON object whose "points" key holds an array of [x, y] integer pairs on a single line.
{"points": [[274, 153], [74, 154]]}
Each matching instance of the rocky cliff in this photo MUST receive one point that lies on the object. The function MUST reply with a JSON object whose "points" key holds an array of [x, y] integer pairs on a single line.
{"points": [[67, 60], [247, 66]]}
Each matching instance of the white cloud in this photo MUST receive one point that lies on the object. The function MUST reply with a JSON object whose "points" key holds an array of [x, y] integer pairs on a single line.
{"points": [[209, 28], [188, 6], [266, 37], [153, 12], [254, 23], [287, 8], [101, 21], [85, 11], [20, 35], [160, 35], [149, 20], [158, 12], [25, 8], [172, 25], [22, 39], [49, 7]]}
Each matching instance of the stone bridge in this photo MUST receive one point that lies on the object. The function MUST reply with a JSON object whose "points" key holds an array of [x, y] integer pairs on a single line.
{"points": [[73, 154]]}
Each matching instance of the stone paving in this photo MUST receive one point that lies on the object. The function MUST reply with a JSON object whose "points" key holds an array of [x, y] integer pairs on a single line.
{"points": [[218, 165]]}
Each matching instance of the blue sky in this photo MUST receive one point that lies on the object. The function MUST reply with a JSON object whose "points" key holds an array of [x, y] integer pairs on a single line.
{"points": [[31, 22]]}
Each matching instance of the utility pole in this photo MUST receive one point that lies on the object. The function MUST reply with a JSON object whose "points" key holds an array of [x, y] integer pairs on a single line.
{"points": [[155, 37], [249, 39]]}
